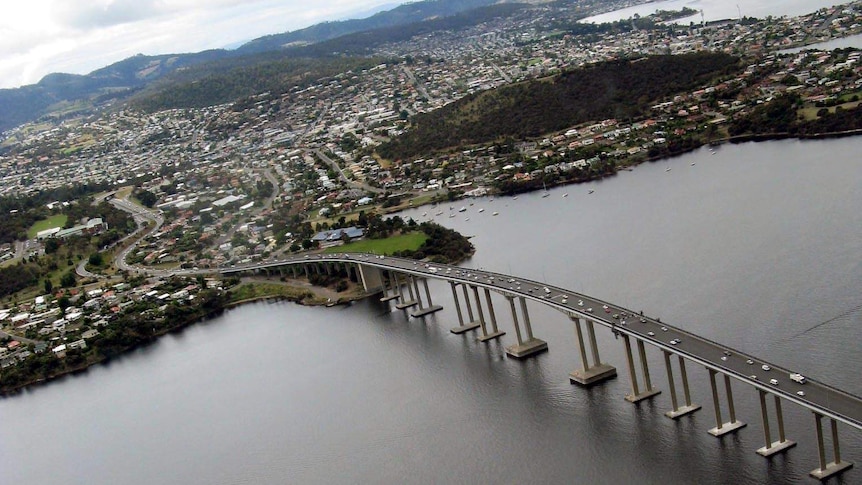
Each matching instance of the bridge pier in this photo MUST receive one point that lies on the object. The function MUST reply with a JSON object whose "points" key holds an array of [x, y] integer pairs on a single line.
{"points": [[835, 467], [495, 331], [589, 374], [405, 303], [678, 411], [431, 306], [722, 428], [395, 293], [649, 391], [782, 444], [462, 327], [371, 278], [529, 345], [485, 335]]}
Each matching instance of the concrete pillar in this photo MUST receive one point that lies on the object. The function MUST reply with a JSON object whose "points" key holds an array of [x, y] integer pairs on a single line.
{"points": [[415, 281], [491, 314], [594, 347], [530, 345], [678, 411], [636, 394], [388, 283], [404, 302], [371, 278], [722, 428], [836, 466], [469, 306], [515, 319], [588, 374], [431, 306], [526, 314], [782, 444], [631, 365], [479, 312], [462, 327], [644, 364]]}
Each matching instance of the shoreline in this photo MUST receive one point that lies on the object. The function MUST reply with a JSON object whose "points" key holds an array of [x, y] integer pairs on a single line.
{"points": [[192, 320]]}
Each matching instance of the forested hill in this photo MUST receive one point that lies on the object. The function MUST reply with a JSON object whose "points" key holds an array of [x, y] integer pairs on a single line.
{"points": [[620, 89], [404, 14], [227, 79]]}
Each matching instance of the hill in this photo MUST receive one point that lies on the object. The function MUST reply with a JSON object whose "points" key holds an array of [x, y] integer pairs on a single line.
{"points": [[404, 14], [621, 89], [59, 93], [63, 94], [230, 78]]}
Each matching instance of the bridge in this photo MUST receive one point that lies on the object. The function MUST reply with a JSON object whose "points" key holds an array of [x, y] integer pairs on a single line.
{"points": [[399, 280]]}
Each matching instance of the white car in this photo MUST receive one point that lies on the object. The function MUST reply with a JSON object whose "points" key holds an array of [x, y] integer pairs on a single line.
{"points": [[651, 334], [765, 367], [774, 382], [800, 393]]}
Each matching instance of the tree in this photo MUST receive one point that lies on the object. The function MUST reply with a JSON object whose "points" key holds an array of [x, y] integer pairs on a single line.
{"points": [[96, 259], [64, 303], [68, 280], [147, 198], [48, 286]]}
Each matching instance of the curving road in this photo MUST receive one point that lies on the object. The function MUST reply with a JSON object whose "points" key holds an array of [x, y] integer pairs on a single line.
{"points": [[819, 397]]}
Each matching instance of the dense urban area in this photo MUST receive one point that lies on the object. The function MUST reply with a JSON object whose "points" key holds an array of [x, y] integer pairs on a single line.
{"points": [[118, 220]]}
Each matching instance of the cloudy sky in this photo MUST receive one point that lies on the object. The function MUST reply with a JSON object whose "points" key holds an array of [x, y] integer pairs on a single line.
{"points": [[38, 37]]}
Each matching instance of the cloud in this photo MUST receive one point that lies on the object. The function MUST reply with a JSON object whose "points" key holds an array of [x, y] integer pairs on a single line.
{"points": [[96, 14], [38, 37]]}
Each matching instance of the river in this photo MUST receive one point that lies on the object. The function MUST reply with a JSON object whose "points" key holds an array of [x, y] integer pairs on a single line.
{"points": [[758, 246], [719, 9]]}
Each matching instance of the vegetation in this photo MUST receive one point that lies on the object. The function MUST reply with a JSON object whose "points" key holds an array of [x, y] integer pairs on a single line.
{"points": [[620, 89], [57, 220], [783, 116], [410, 241]]}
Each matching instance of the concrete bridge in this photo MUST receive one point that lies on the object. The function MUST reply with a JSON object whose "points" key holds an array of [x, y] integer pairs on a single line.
{"points": [[403, 281]]}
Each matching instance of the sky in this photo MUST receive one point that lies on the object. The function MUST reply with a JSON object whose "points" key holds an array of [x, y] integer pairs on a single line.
{"points": [[38, 37]]}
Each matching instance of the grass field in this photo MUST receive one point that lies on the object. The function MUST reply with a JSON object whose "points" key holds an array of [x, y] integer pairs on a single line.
{"points": [[53, 221], [390, 245]]}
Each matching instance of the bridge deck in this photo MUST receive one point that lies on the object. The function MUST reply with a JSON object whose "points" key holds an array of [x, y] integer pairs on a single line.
{"points": [[819, 397]]}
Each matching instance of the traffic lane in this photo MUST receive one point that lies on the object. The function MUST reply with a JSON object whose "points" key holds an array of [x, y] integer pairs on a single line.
{"points": [[704, 350], [815, 393]]}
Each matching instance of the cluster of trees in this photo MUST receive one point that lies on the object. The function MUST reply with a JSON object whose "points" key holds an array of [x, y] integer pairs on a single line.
{"points": [[781, 116], [621, 89], [443, 245]]}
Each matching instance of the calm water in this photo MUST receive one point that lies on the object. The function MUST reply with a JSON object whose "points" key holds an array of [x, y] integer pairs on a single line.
{"points": [[721, 9], [758, 246]]}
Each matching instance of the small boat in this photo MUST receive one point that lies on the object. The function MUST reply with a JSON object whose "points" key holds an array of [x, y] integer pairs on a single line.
{"points": [[482, 210], [424, 214], [545, 188], [438, 213], [451, 215], [515, 198], [495, 213], [692, 164], [591, 191], [566, 194], [546, 194], [462, 209], [467, 219], [667, 169]]}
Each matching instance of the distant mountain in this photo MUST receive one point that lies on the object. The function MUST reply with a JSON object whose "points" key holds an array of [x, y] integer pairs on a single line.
{"points": [[404, 14], [57, 92], [63, 94]]}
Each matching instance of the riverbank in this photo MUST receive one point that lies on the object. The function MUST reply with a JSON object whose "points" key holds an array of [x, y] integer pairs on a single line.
{"points": [[45, 367]]}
